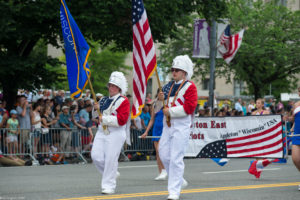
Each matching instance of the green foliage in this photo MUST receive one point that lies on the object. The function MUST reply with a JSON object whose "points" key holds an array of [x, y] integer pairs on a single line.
{"points": [[268, 54], [26, 27], [270, 48], [103, 61], [182, 44], [209, 10], [61, 72], [25, 23], [108, 20]]}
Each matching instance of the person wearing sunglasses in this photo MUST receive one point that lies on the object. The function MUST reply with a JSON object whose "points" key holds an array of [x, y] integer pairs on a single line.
{"points": [[180, 96]]}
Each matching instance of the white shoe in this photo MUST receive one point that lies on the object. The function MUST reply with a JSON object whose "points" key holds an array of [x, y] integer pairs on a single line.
{"points": [[118, 174], [162, 176], [173, 197], [299, 187], [108, 191], [184, 184]]}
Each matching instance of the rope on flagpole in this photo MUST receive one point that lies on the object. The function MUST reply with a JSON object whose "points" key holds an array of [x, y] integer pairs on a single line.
{"points": [[168, 120], [94, 96]]}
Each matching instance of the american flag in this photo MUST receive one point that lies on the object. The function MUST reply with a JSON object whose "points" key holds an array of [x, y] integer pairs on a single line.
{"points": [[267, 143], [229, 44], [144, 57]]}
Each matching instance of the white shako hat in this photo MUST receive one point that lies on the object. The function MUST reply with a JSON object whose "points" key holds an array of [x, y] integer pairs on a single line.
{"points": [[184, 63], [118, 79]]}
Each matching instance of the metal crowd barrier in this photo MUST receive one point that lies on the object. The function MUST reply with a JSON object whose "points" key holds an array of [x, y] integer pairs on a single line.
{"points": [[61, 142], [138, 144], [15, 142], [56, 143], [45, 143]]}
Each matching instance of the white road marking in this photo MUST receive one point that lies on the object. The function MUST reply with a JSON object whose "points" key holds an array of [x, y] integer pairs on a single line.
{"points": [[236, 171], [137, 166]]}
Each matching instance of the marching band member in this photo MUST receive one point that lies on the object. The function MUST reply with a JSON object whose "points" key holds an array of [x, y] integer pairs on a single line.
{"points": [[111, 133], [181, 100], [296, 135]]}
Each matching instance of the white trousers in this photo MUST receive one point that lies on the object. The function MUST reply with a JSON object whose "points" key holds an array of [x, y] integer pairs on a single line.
{"points": [[172, 145], [105, 153]]}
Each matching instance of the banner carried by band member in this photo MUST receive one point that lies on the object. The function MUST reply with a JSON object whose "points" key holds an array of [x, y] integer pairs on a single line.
{"points": [[236, 137]]}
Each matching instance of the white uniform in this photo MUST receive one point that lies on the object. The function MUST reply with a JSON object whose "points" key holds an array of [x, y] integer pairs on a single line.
{"points": [[106, 148], [175, 139]]}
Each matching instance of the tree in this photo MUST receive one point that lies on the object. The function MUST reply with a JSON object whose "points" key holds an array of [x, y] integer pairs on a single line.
{"points": [[270, 47], [268, 54], [182, 44], [24, 24], [26, 28], [103, 61], [182, 41]]}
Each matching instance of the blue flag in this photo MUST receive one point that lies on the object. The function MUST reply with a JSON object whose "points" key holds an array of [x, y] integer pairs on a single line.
{"points": [[77, 52]]}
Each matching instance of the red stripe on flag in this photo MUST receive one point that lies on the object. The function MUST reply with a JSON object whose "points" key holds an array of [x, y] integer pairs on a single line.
{"points": [[255, 141], [138, 73], [234, 41], [139, 50], [137, 93], [146, 26], [148, 47], [264, 154], [255, 149], [142, 36], [150, 69], [254, 135]]}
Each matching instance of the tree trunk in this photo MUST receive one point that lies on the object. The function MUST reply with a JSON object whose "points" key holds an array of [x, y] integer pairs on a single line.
{"points": [[9, 95], [256, 91]]}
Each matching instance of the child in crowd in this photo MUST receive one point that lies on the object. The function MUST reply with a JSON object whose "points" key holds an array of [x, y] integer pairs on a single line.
{"points": [[12, 133]]}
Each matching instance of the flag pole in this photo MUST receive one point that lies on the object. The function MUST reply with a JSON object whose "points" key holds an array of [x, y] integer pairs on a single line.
{"points": [[94, 96], [212, 57], [92, 90], [158, 81], [160, 89]]}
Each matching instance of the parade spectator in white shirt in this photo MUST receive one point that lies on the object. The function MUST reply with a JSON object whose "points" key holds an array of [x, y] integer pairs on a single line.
{"points": [[238, 105]]}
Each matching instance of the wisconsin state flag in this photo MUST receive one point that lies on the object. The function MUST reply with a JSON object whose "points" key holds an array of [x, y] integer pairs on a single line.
{"points": [[77, 52]]}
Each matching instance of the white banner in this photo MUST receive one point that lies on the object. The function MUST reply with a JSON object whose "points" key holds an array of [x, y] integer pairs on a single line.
{"points": [[236, 137]]}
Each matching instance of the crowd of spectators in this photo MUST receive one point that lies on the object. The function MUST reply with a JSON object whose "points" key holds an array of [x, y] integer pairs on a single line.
{"points": [[241, 108], [228, 108], [54, 124], [58, 124]]}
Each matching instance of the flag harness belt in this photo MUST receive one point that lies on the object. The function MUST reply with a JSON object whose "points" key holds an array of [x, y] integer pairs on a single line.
{"points": [[169, 118]]}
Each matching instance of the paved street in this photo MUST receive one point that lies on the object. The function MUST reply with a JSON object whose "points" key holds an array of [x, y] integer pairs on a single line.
{"points": [[206, 180]]}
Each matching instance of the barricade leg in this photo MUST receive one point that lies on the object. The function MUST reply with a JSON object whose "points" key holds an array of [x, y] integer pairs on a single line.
{"points": [[31, 143], [76, 142]]}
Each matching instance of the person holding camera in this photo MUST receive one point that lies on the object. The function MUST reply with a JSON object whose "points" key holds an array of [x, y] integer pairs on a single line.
{"points": [[23, 109]]}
